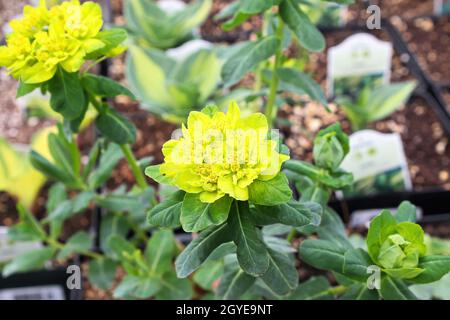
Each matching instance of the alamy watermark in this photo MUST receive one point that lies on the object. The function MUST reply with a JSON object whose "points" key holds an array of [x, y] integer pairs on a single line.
{"points": [[374, 20], [374, 280], [74, 280]]}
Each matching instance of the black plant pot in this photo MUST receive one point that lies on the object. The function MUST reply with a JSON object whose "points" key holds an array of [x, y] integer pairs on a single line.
{"points": [[433, 202], [39, 285]]}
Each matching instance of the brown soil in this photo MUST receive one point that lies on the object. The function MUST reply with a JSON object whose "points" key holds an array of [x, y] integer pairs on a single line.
{"points": [[425, 142], [429, 40], [406, 9], [93, 293], [152, 133]]}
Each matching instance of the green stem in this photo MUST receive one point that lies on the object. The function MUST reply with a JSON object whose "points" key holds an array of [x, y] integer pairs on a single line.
{"points": [[274, 82], [127, 152], [57, 245], [337, 290], [137, 172], [291, 236]]}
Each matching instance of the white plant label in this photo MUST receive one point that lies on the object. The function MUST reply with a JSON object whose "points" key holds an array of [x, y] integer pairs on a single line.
{"points": [[378, 164], [9, 249], [52, 292], [360, 60]]}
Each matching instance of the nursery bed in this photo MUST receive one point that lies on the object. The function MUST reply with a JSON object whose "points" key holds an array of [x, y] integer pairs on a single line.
{"points": [[429, 39], [407, 9]]}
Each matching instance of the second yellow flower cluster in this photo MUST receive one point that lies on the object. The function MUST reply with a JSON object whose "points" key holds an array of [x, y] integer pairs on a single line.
{"points": [[43, 39]]}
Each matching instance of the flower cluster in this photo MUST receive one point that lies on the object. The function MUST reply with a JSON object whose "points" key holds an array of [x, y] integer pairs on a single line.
{"points": [[44, 39], [396, 247], [221, 154]]}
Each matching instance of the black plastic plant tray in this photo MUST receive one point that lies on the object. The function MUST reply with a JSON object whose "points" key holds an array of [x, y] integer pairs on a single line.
{"points": [[435, 204], [38, 279], [433, 201]]}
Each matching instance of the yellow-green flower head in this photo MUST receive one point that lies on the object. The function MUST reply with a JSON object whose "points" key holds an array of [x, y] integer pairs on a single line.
{"points": [[44, 39], [221, 154]]}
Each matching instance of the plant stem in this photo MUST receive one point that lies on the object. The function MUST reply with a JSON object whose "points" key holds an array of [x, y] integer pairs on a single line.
{"points": [[274, 82], [127, 152], [291, 236], [337, 290], [57, 245], [137, 172], [140, 234]]}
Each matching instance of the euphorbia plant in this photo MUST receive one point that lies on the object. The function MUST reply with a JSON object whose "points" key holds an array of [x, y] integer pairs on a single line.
{"points": [[396, 255], [153, 27], [375, 104], [53, 50], [284, 21], [227, 168]]}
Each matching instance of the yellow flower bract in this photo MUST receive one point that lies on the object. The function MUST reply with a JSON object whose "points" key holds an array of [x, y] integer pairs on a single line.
{"points": [[221, 154], [44, 39]]}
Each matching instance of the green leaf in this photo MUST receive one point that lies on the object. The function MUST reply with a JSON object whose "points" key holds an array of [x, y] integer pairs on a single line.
{"points": [[108, 162], [104, 87], [300, 83], [403, 273], [323, 254], [173, 288], [406, 212], [392, 289], [111, 38], [293, 214], [234, 282], [102, 273], [332, 228], [237, 19], [380, 227], [137, 287], [360, 292], [80, 242], [255, 6], [67, 95], [435, 268], [56, 195], [60, 150], [92, 160], [197, 215], [152, 91], [115, 127], [28, 261], [386, 99], [356, 262], [315, 288], [71, 207], [307, 33], [49, 169], [251, 251], [119, 203], [209, 273], [278, 188], [25, 88], [248, 57], [160, 251], [121, 247], [154, 173], [331, 145], [167, 214], [111, 225], [282, 276], [32, 227], [200, 248]]}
